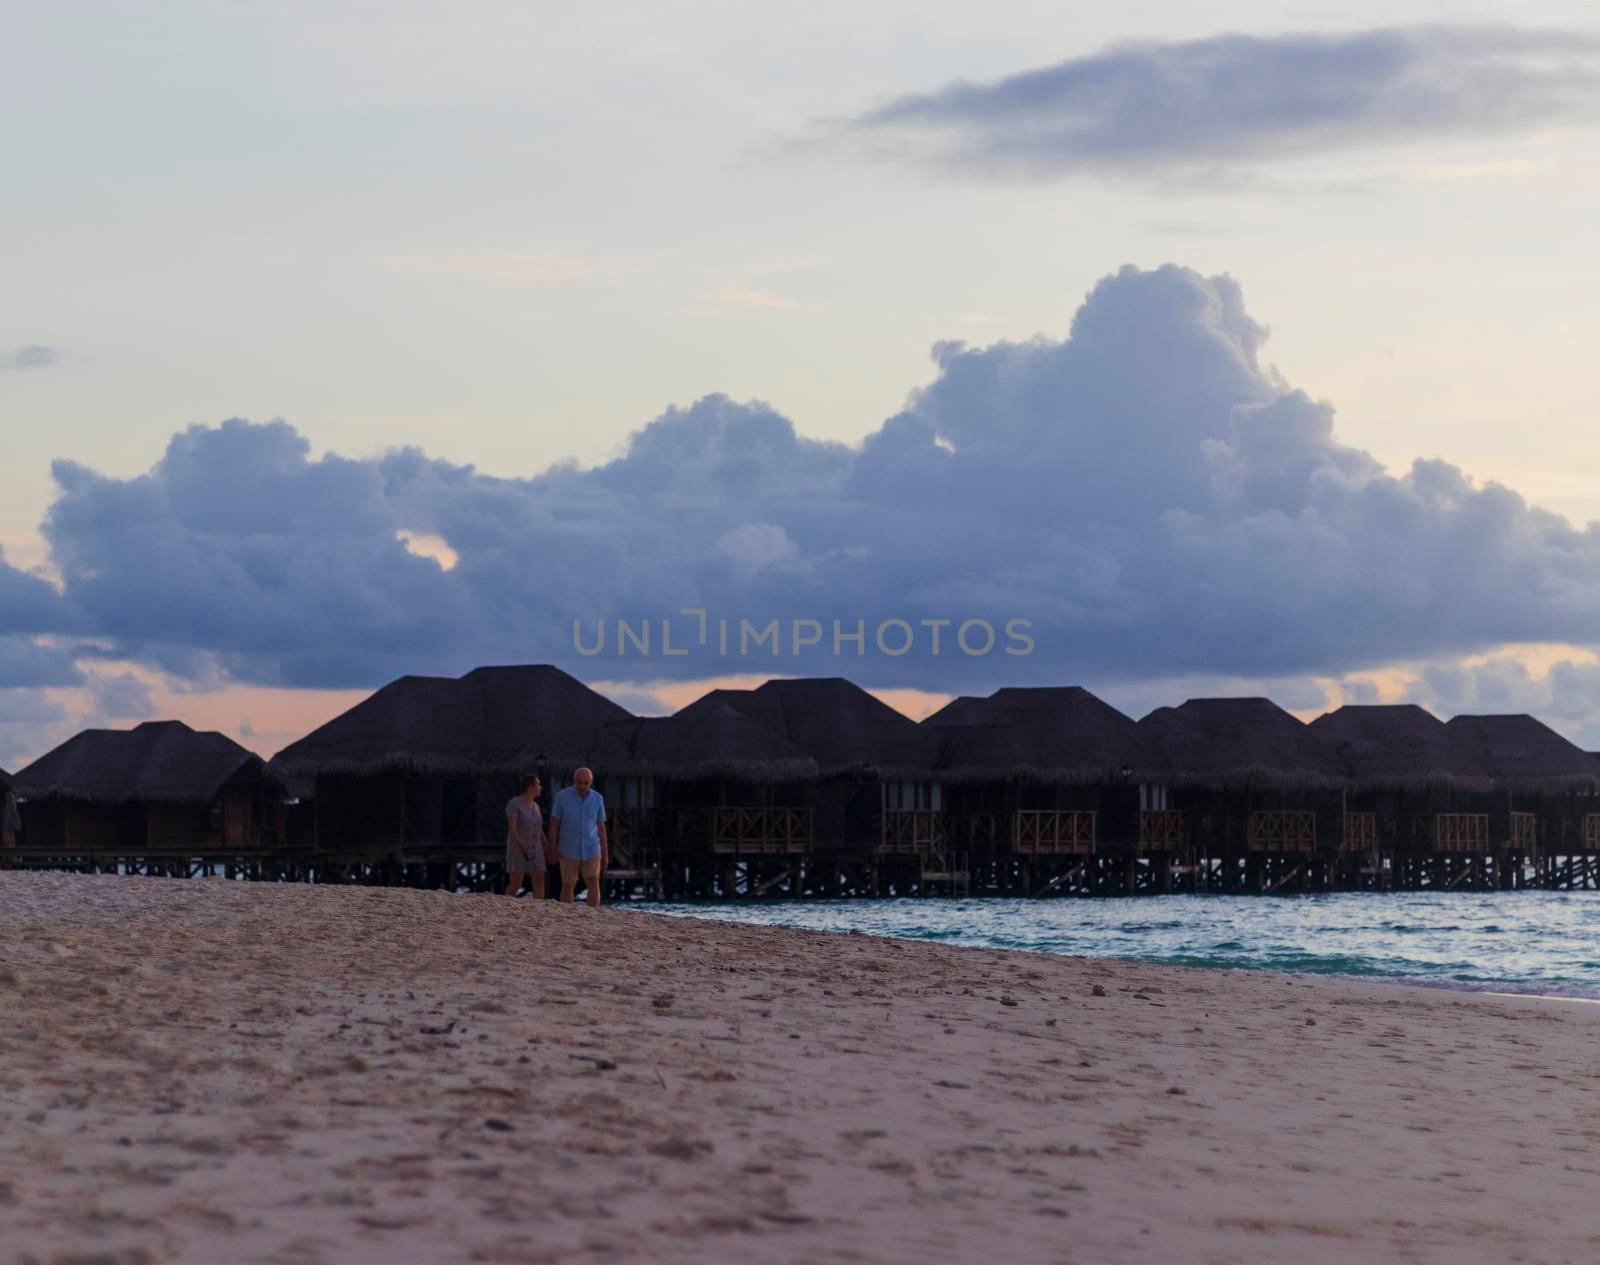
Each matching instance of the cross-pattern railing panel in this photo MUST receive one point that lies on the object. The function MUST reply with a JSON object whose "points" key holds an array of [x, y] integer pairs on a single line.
{"points": [[1162, 829], [748, 831], [629, 833], [1461, 832], [1278, 830], [1050, 832], [913, 831], [1360, 832]]}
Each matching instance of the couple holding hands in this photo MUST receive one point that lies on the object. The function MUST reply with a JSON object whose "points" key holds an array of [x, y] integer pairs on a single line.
{"points": [[576, 840]]}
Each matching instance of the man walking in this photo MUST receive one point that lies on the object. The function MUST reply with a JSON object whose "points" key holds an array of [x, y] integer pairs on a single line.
{"points": [[578, 824], [525, 843], [10, 822]]}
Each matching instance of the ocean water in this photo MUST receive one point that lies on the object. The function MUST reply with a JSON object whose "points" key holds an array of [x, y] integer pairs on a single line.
{"points": [[1528, 942]]}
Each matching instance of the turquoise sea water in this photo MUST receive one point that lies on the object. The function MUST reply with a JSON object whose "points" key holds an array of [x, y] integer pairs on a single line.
{"points": [[1534, 942]]}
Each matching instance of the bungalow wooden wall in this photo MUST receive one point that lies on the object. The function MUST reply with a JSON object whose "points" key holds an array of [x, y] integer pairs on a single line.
{"points": [[243, 816], [186, 826], [846, 814], [355, 811], [980, 815], [76, 824], [1563, 820], [679, 818], [1218, 817], [1405, 815]]}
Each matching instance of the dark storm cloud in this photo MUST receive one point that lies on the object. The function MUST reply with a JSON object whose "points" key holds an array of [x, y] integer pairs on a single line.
{"points": [[29, 604], [1201, 105], [30, 663], [1150, 495]]}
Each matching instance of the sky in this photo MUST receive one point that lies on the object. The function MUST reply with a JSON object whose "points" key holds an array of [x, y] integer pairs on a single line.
{"points": [[1238, 348]]}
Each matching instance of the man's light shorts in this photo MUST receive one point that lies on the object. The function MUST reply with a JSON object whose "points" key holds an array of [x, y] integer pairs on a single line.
{"points": [[571, 867]]}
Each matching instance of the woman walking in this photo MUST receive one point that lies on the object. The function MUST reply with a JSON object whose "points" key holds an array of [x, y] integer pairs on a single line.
{"points": [[525, 842]]}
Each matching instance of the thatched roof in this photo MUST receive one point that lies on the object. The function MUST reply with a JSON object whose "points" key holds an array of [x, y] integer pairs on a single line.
{"points": [[712, 741], [1048, 733], [1523, 752], [1399, 745], [492, 720], [1236, 741], [835, 722], [160, 761], [5, 780]]}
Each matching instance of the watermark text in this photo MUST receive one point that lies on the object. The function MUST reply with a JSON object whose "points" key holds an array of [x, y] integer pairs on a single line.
{"points": [[742, 638]]}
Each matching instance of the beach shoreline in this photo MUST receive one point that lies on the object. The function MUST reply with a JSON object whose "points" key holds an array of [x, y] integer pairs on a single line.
{"points": [[197, 1070], [1535, 943]]}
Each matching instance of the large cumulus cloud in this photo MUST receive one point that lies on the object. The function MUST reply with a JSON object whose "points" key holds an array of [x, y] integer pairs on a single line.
{"points": [[1203, 104], [1147, 492]]}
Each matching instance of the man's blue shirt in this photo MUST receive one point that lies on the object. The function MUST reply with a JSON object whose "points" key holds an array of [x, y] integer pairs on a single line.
{"points": [[577, 818]]}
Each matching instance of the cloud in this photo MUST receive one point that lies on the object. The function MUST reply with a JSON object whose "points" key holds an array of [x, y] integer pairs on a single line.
{"points": [[30, 356], [31, 722], [32, 662], [30, 604], [1157, 501], [50, 698], [1206, 106], [120, 697], [755, 547]]}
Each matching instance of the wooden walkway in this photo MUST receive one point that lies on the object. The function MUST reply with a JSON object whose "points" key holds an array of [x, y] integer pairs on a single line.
{"points": [[876, 872], [463, 869]]}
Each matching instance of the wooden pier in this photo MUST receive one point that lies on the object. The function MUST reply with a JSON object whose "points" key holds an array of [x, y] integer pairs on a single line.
{"points": [[753, 869]]}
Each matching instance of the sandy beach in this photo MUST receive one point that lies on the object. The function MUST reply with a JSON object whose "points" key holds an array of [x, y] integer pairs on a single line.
{"points": [[204, 1071]]}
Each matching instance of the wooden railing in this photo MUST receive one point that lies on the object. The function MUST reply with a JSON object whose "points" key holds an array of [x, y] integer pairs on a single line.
{"points": [[1053, 832], [1162, 829], [1460, 832], [629, 834], [1524, 832], [748, 831], [732, 830], [1281, 831], [1360, 832], [1591, 832], [674, 829], [906, 831]]}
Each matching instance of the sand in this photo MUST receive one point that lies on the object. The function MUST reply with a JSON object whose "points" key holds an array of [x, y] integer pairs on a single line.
{"points": [[213, 1072]]}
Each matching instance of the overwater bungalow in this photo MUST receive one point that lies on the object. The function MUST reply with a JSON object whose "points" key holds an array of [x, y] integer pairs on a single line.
{"points": [[1547, 787], [1048, 771], [1260, 795], [709, 787], [1424, 794], [159, 787], [429, 762], [871, 759]]}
